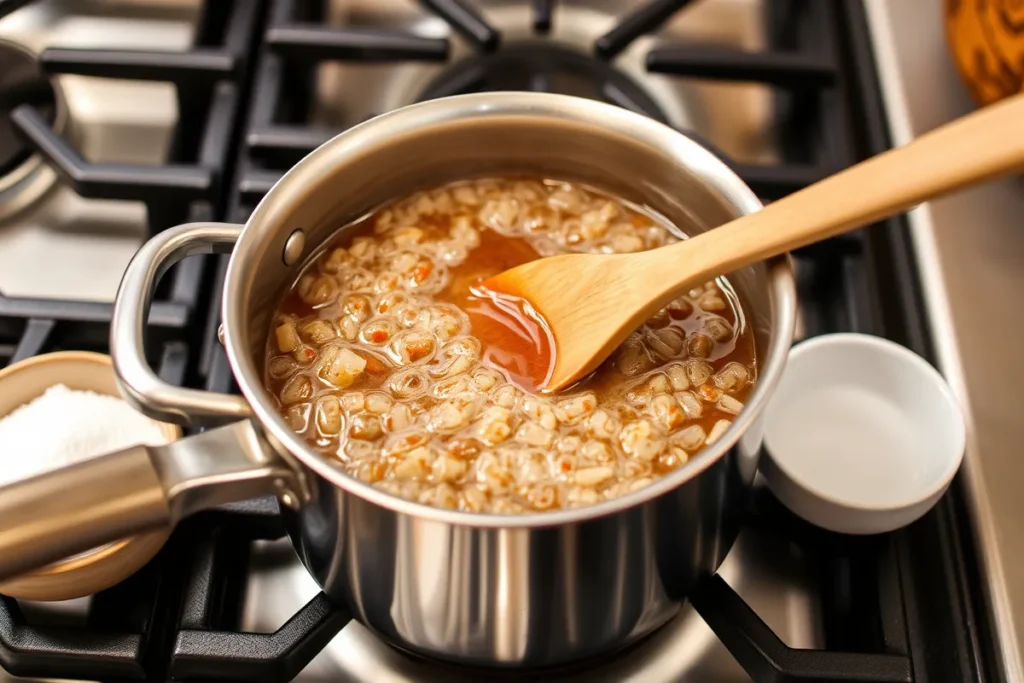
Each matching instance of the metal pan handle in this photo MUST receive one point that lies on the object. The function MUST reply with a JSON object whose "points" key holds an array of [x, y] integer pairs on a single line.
{"points": [[139, 385], [143, 488]]}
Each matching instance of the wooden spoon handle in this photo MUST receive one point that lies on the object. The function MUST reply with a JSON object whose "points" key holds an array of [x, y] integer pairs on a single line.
{"points": [[979, 146]]}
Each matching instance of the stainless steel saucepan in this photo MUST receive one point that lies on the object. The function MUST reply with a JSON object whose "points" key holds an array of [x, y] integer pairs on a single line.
{"points": [[493, 590]]}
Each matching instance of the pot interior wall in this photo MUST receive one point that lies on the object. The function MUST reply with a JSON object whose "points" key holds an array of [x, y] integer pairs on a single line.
{"points": [[398, 154]]}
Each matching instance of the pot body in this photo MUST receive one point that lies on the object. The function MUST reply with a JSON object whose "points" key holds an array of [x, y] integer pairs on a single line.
{"points": [[534, 596]]}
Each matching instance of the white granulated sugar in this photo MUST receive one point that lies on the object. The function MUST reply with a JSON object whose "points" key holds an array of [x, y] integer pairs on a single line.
{"points": [[65, 426]]}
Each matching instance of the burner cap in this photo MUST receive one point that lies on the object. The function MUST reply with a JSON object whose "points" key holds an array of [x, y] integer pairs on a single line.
{"points": [[543, 68], [22, 81]]}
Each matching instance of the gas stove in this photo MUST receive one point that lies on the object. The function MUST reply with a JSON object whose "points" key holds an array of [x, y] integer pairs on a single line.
{"points": [[159, 113]]}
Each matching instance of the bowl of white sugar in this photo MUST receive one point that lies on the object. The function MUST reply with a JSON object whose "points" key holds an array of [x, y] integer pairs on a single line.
{"points": [[58, 409]]}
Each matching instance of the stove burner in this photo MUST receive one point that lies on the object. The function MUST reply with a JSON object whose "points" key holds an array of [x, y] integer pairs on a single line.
{"points": [[22, 81], [543, 68]]}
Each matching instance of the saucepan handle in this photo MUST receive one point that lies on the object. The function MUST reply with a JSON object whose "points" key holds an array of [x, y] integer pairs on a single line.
{"points": [[139, 385], [142, 488]]}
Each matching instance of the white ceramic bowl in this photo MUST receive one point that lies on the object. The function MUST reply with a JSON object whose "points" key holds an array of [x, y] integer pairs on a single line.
{"points": [[862, 436]]}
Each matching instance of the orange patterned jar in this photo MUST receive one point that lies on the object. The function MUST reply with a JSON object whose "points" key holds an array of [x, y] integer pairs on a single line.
{"points": [[986, 38]]}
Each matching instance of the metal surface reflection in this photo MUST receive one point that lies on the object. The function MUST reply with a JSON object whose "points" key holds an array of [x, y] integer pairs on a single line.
{"points": [[522, 596], [775, 578]]}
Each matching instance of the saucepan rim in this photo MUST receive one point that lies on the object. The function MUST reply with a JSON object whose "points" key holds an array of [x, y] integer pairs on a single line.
{"points": [[712, 170]]}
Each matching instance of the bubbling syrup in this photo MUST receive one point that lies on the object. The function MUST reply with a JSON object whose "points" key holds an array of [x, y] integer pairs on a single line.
{"points": [[389, 358], [512, 335]]}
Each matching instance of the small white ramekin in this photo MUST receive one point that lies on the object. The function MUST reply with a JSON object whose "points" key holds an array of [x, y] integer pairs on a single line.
{"points": [[862, 436]]}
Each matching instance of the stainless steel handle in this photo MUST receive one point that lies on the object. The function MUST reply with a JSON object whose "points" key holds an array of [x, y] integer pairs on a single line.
{"points": [[139, 384], [76, 508], [52, 516]]}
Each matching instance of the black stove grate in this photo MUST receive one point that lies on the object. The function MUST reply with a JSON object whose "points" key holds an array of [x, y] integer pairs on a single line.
{"points": [[188, 187], [895, 608], [126, 629]]}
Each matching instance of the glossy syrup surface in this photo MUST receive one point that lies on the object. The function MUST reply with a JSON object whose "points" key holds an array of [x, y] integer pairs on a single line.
{"points": [[514, 338]]}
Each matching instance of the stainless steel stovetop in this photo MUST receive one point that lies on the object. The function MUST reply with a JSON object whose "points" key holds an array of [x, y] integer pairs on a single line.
{"points": [[85, 245]]}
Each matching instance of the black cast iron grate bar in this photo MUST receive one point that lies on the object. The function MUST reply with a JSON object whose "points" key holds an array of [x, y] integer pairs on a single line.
{"points": [[166, 314], [196, 67], [33, 339], [318, 43], [282, 12], [467, 21], [633, 100], [259, 657], [300, 139], [173, 363], [65, 652], [224, 108], [774, 182], [542, 14], [615, 95], [239, 35], [768, 181], [221, 558], [200, 593], [261, 517], [215, 144], [112, 181], [471, 79], [187, 275], [835, 135], [211, 326], [783, 69], [220, 373], [766, 658], [630, 27], [540, 83], [256, 183], [266, 91]]}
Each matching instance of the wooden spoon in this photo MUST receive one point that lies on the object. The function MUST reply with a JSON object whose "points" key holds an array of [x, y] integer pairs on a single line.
{"points": [[591, 303]]}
